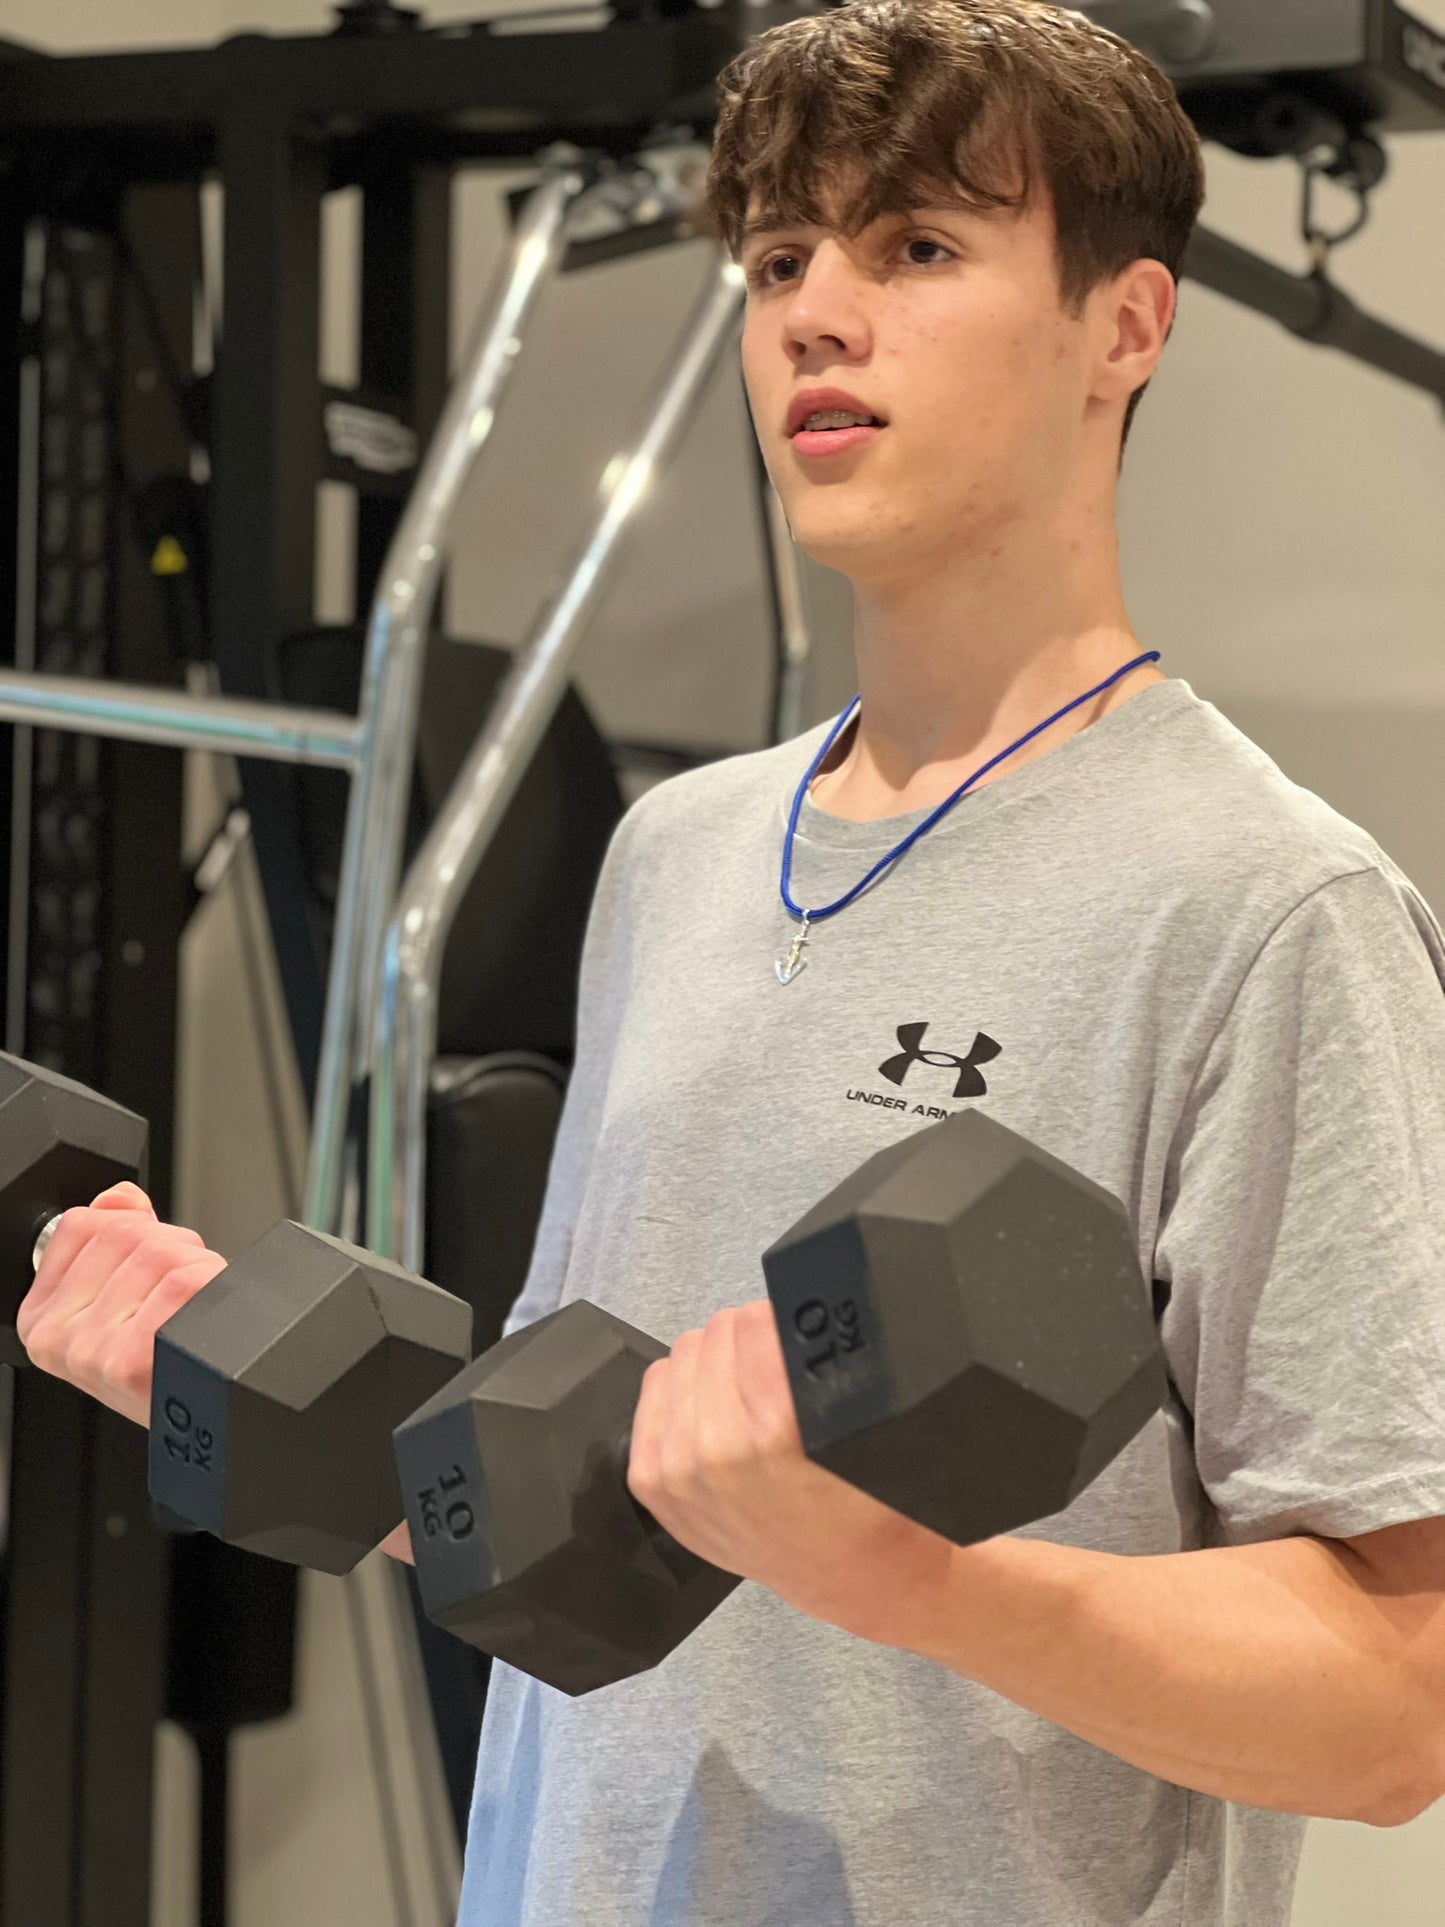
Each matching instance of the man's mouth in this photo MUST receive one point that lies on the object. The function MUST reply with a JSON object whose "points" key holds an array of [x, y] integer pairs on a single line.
{"points": [[828, 411], [825, 434], [830, 420]]}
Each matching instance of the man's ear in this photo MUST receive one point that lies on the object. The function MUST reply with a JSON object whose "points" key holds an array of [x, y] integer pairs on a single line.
{"points": [[1138, 309]]}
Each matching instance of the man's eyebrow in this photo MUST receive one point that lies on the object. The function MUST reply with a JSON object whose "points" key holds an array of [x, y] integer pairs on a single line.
{"points": [[766, 224], [772, 224]]}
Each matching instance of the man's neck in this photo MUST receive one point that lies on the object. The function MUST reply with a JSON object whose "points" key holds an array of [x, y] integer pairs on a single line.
{"points": [[956, 665]]}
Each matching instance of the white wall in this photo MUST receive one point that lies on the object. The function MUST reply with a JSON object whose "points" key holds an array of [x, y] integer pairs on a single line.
{"points": [[98, 24]]}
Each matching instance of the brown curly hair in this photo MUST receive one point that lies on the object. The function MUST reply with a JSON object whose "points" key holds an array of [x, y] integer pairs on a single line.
{"points": [[961, 101]]}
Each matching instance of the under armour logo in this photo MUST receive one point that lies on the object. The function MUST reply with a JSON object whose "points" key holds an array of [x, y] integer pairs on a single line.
{"points": [[970, 1083]]}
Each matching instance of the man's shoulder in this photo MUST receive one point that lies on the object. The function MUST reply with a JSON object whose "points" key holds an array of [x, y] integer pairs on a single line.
{"points": [[709, 799], [1237, 828]]}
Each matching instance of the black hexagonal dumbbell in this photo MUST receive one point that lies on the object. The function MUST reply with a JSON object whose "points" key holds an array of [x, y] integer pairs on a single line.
{"points": [[527, 1541], [60, 1145], [276, 1390], [967, 1334]]}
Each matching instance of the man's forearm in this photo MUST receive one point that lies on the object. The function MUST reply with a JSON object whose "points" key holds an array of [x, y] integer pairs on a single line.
{"points": [[1267, 1675]]}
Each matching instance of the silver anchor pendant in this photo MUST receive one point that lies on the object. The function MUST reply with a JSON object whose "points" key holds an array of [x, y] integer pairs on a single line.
{"points": [[796, 964]]}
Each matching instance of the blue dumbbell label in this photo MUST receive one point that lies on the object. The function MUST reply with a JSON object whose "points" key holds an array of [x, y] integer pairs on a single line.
{"points": [[444, 1509], [187, 1457]]}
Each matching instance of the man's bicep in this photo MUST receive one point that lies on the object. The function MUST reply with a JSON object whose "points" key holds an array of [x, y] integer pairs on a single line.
{"points": [[1304, 1240], [1402, 1571]]}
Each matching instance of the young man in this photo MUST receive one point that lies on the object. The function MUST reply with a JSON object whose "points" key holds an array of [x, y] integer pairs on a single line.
{"points": [[1132, 940]]}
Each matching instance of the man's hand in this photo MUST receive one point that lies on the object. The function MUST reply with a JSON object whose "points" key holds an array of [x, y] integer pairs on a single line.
{"points": [[717, 1459], [110, 1278]]}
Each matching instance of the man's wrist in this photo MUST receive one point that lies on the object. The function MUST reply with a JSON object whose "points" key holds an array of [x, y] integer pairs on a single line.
{"points": [[977, 1609], [919, 1602]]}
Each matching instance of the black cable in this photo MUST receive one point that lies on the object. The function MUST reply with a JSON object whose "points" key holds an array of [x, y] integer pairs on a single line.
{"points": [[182, 389], [1359, 164], [270, 1068]]}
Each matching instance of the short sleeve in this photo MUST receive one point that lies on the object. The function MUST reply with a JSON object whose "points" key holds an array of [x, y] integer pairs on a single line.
{"points": [[1303, 1227], [600, 997]]}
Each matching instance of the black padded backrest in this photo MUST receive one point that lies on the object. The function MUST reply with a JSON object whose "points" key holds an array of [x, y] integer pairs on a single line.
{"points": [[510, 977], [489, 1142]]}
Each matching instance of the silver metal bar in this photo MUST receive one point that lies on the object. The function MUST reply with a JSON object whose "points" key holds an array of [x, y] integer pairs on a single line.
{"points": [[795, 636], [444, 866], [395, 654], [401, 1732], [381, 1614], [274, 732]]}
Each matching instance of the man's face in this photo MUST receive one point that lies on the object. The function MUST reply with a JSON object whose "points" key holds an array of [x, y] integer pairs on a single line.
{"points": [[947, 325]]}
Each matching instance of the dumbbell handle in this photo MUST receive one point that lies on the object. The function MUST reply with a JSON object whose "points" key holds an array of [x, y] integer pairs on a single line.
{"points": [[47, 1231]]}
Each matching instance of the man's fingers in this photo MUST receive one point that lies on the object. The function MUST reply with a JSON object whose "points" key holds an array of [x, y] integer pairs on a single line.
{"points": [[85, 1255], [131, 1359], [642, 1451], [114, 1365], [124, 1196], [763, 1375], [85, 1250], [144, 1276], [677, 1437], [722, 1431], [660, 1420]]}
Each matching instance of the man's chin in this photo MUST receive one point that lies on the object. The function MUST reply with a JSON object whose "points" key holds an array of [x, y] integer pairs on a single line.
{"points": [[855, 546]]}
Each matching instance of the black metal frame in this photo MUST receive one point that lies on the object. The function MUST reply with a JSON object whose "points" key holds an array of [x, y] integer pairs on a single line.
{"points": [[87, 141], [86, 1571], [1316, 309], [282, 121]]}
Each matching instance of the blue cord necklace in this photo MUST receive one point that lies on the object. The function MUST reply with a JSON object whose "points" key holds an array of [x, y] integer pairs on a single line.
{"points": [[786, 969]]}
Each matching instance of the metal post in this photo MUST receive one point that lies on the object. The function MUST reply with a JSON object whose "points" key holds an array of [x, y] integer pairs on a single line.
{"points": [[266, 460], [443, 868], [792, 636], [395, 644]]}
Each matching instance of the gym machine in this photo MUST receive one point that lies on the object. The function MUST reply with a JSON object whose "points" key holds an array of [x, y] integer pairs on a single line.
{"points": [[1319, 81], [48, 1871], [374, 748]]}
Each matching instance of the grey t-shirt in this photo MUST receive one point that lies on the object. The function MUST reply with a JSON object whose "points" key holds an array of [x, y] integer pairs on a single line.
{"points": [[1158, 958]]}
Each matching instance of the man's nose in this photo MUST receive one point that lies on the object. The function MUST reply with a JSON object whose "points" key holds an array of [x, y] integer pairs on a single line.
{"points": [[828, 302]]}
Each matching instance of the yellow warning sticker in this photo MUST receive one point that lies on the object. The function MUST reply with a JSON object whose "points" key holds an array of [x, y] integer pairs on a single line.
{"points": [[169, 558]]}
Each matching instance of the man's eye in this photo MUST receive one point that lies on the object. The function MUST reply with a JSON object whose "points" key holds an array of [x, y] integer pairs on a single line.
{"points": [[759, 275], [783, 268]]}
